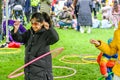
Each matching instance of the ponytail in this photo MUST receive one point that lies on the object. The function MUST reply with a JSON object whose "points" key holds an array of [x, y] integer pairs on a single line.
{"points": [[47, 18]]}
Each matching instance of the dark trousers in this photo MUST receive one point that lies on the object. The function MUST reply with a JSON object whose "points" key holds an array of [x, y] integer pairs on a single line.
{"points": [[34, 9], [27, 14], [110, 76], [94, 11]]}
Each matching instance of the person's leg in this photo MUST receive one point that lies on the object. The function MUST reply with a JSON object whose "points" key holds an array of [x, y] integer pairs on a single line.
{"points": [[27, 14], [61, 24], [78, 27], [109, 76], [82, 29], [94, 11], [88, 29]]}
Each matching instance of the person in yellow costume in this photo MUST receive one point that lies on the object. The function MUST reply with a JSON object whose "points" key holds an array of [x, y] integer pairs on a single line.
{"points": [[111, 49]]}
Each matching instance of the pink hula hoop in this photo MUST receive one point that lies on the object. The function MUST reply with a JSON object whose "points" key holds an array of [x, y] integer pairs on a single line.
{"points": [[13, 75]]}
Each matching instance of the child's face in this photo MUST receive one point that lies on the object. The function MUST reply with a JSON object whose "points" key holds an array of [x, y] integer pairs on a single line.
{"points": [[36, 26]]}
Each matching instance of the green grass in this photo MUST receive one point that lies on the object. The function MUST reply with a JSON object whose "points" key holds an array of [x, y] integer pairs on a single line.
{"points": [[74, 43]]}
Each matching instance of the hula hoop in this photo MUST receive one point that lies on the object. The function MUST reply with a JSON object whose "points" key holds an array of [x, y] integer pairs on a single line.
{"points": [[87, 61], [11, 49], [103, 76], [13, 75], [63, 67], [70, 62]]}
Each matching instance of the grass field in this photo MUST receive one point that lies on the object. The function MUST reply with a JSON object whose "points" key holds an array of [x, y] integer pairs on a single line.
{"points": [[74, 43]]}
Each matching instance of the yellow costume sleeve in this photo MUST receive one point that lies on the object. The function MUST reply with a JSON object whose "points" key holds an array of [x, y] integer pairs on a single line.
{"points": [[112, 48]]}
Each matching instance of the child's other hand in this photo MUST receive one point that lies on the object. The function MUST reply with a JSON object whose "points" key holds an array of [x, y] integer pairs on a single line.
{"points": [[92, 41], [46, 25], [105, 75]]}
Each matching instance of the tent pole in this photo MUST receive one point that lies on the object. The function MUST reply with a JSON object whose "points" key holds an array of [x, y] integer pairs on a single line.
{"points": [[7, 29]]}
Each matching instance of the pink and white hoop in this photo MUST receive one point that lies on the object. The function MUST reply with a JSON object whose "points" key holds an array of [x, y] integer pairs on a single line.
{"points": [[13, 75]]}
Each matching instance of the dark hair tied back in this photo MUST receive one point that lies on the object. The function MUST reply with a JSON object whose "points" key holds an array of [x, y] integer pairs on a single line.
{"points": [[47, 18]]}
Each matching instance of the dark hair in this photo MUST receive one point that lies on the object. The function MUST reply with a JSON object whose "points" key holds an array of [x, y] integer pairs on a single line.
{"points": [[104, 17], [47, 18], [42, 17], [38, 16]]}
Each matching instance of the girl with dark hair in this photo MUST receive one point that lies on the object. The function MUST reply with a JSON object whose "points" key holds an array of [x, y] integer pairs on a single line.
{"points": [[37, 42]]}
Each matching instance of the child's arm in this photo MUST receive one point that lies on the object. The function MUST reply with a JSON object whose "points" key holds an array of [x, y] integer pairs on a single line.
{"points": [[17, 36], [95, 42], [108, 49], [20, 37], [52, 36]]}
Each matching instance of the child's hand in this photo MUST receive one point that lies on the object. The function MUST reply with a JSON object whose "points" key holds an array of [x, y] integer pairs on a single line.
{"points": [[92, 41], [16, 26], [46, 25], [105, 75]]}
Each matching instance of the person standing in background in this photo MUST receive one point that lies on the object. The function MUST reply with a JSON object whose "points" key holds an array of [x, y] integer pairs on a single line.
{"points": [[94, 7], [34, 5], [27, 10], [84, 15], [53, 5]]}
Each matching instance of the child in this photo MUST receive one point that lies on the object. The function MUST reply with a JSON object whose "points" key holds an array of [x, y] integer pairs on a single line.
{"points": [[65, 18], [105, 23], [111, 49], [37, 42], [96, 23], [106, 63]]}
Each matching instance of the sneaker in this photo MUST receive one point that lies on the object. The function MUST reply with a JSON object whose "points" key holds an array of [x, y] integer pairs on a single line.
{"points": [[89, 30], [4, 45], [82, 30]]}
